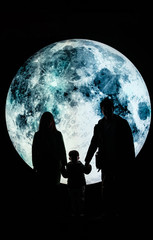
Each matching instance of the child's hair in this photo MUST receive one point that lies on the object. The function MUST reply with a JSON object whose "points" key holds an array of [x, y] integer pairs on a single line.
{"points": [[74, 155]]}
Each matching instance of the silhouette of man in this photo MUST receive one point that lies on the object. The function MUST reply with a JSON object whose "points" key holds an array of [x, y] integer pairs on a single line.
{"points": [[113, 138]]}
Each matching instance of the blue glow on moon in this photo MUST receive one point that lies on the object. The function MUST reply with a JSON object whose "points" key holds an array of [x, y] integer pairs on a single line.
{"points": [[69, 78]]}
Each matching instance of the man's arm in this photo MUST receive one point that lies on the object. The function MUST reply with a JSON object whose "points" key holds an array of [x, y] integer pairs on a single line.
{"points": [[129, 142], [93, 146]]}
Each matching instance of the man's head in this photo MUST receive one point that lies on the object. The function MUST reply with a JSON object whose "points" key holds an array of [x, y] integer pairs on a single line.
{"points": [[107, 107]]}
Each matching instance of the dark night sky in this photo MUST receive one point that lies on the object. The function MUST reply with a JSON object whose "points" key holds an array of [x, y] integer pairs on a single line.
{"points": [[25, 31]]}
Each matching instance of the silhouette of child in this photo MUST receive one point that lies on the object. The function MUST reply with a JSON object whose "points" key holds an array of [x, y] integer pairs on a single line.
{"points": [[75, 172]]}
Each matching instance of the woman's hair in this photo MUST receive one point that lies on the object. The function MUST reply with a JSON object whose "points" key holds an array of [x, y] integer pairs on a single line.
{"points": [[47, 122]]}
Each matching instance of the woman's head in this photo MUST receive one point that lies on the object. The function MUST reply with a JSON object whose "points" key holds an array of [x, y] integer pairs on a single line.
{"points": [[47, 122]]}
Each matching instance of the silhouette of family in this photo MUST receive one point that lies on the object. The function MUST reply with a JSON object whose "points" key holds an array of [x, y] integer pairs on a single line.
{"points": [[112, 142]]}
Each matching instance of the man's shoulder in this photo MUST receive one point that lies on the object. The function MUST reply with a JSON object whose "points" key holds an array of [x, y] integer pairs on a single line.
{"points": [[100, 123], [121, 121], [118, 118]]}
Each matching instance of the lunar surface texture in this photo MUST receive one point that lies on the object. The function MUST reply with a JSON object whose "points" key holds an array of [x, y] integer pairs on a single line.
{"points": [[69, 78]]}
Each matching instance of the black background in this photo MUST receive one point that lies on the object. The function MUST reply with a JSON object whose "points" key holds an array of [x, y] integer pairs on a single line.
{"points": [[27, 29]]}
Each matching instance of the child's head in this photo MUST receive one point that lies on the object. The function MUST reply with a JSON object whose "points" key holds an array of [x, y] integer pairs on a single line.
{"points": [[73, 155]]}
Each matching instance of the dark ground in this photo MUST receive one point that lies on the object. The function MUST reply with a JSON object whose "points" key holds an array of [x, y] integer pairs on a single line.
{"points": [[26, 213]]}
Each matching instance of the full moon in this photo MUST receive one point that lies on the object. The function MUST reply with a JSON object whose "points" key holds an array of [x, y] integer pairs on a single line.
{"points": [[69, 78]]}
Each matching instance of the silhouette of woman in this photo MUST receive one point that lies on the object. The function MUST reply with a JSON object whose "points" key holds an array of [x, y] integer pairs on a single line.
{"points": [[48, 150], [49, 159]]}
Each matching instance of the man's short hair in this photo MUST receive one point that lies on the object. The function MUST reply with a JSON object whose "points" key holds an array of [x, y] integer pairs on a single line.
{"points": [[107, 103]]}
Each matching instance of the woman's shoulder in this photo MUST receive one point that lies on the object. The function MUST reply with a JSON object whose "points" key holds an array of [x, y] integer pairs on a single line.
{"points": [[58, 133], [36, 134]]}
